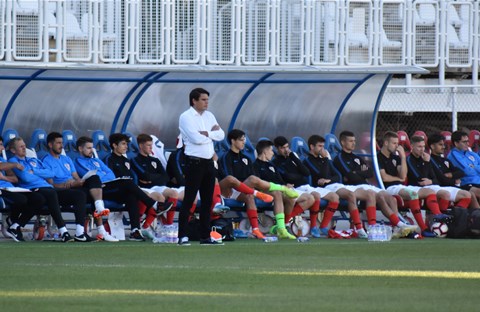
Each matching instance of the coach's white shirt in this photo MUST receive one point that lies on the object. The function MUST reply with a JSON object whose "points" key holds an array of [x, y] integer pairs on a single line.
{"points": [[196, 144]]}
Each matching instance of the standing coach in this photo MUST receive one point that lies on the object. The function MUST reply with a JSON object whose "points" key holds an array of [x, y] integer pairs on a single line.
{"points": [[199, 129]]}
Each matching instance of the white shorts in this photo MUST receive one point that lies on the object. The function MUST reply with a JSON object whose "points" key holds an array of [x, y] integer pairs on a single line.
{"points": [[453, 191], [161, 189], [336, 186], [395, 189], [309, 189], [369, 187]]}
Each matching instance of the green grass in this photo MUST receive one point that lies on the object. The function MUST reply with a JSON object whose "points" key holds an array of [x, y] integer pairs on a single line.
{"points": [[246, 275]]}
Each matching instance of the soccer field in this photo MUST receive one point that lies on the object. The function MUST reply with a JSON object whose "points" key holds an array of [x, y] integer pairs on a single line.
{"points": [[246, 275]]}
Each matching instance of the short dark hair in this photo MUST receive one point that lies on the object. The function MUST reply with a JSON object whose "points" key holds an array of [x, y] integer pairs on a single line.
{"points": [[143, 138], [417, 139], [196, 93], [116, 138], [345, 134], [1, 138], [435, 138], [82, 141], [314, 139], [262, 146], [52, 136], [280, 141], [235, 134], [457, 136], [389, 135]]}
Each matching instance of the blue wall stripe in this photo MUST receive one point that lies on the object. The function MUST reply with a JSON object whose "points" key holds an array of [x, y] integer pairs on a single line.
{"points": [[137, 99], [345, 101], [244, 99], [126, 99], [15, 95], [373, 137]]}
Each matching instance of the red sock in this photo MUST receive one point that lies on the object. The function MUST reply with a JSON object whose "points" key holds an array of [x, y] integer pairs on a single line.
{"points": [[297, 210], [253, 218], [151, 215], [192, 211], [371, 215], [314, 210], [443, 204], [216, 199], [141, 208], [171, 212], [107, 227], [243, 188], [355, 216], [328, 214], [394, 219], [464, 202], [432, 204], [417, 213]]}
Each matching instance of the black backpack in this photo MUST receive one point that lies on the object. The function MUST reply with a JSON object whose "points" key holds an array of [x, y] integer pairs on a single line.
{"points": [[474, 222], [222, 226], [225, 228], [458, 228], [466, 223]]}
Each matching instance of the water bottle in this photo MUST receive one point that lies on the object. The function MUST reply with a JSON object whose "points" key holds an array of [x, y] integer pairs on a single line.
{"points": [[270, 239], [302, 239], [54, 231]]}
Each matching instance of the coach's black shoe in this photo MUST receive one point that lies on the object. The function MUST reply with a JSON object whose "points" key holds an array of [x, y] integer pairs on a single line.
{"points": [[210, 242], [15, 234], [66, 238], [84, 238], [163, 207], [183, 241], [136, 235]]}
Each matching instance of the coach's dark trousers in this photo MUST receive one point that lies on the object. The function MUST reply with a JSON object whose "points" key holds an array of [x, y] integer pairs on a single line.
{"points": [[199, 176]]}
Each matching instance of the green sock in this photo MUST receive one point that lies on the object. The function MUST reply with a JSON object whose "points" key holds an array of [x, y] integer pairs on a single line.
{"points": [[280, 217], [276, 187]]}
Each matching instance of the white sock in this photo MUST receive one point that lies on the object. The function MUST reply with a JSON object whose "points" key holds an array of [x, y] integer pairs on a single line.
{"points": [[155, 205], [99, 205], [101, 229], [62, 230], [79, 230], [14, 226], [401, 224]]}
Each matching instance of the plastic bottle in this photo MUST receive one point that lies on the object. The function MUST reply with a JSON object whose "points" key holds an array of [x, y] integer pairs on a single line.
{"points": [[54, 231], [270, 239], [302, 239]]}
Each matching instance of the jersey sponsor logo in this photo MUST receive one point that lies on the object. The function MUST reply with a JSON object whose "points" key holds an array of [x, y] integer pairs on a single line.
{"points": [[245, 161], [357, 161], [96, 164], [271, 169], [154, 165], [471, 158], [33, 164], [447, 164], [67, 166], [127, 164]]}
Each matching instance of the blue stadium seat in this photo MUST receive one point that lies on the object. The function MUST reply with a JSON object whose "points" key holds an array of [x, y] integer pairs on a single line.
{"points": [[332, 145], [100, 143], [38, 143], [299, 146], [70, 144], [8, 135], [221, 147], [249, 149], [132, 146]]}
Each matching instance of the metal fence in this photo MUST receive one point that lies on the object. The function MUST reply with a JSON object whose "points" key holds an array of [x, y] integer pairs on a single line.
{"points": [[429, 109], [434, 34]]}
